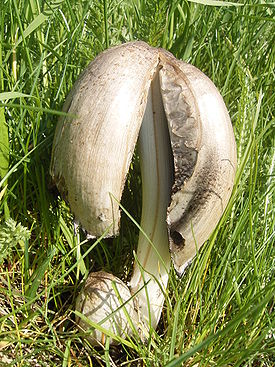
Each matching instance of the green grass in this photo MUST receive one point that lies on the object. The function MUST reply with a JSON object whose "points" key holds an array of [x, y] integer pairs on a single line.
{"points": [[221, 313]]}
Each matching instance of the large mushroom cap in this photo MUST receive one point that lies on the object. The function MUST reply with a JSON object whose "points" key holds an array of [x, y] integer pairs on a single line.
{"points": [[94, 143]]}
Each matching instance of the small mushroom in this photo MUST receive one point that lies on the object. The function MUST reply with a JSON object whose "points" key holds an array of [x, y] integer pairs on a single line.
{"points": [[102, 301], [135, 93]]}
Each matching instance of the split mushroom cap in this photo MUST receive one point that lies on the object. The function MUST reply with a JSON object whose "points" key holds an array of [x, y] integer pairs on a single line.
{"points": [[187, 152]]}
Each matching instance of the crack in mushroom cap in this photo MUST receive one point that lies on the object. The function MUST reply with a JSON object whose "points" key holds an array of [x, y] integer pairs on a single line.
{"points": [[198, 204]]}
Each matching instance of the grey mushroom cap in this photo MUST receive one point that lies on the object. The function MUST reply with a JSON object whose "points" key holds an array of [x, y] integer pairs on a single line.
{"points": [[94, 144]]}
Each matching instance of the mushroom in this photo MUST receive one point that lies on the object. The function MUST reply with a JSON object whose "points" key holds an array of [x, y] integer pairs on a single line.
{"points": [[136, 93]]}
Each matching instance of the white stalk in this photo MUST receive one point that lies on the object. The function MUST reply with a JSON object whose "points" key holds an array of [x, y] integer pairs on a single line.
{"points": [[150, 274]]}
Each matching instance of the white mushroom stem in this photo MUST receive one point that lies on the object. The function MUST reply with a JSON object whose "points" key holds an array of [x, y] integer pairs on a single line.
{"points": [[150, 274]]}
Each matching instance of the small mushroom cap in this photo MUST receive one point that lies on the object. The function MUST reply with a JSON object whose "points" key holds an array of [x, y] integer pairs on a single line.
{"points": [[98, 300]]}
